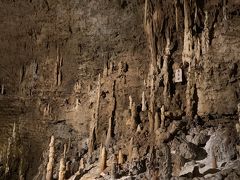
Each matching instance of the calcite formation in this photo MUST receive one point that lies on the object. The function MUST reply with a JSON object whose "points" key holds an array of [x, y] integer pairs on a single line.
{"points": [[141, 89]]}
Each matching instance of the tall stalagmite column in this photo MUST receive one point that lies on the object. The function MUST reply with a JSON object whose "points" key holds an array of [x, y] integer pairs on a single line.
{"points": [[50, 164]]}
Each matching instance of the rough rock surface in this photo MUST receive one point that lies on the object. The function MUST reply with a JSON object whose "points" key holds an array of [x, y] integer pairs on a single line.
{"points": [[155, 83]]}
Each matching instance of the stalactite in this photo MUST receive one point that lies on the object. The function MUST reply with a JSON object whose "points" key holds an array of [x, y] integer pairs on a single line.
{"points": [[224, 10], [62, 169], [165, 72], [59, 68], [50, 164], [144, 104], [188, 43], [156, 121], [102, 160], [205, 35], [176, 13], [120, 157]]}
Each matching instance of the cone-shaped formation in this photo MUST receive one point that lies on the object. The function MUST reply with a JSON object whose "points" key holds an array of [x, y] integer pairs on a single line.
{"points": [[102, 160], [120, 157], [62, 169], [130, 150], [50, 160]]}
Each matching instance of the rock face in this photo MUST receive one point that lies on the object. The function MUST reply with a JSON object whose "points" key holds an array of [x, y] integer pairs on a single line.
{"points": [[155, 84]]}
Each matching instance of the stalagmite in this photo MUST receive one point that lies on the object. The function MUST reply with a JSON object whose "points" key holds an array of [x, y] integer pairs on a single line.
{"points": [[139, 129], [50, 164], [156, 121], [130, 149], [81, 164], [151, 121], [120, 157], [162, 117], [144, 104], [62, 169], [130, 102], [109, 132], [103, 160]]}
